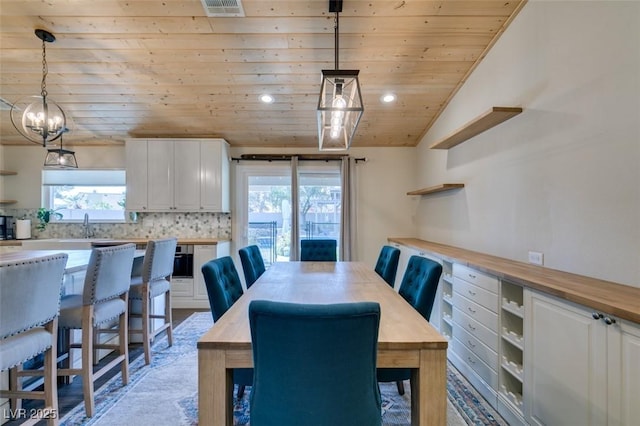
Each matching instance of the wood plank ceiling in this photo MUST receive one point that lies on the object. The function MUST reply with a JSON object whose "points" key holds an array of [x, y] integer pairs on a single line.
{"points": [[162, 68]]}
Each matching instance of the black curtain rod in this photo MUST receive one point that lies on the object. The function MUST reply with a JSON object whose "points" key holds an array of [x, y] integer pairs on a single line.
{"points": [[287, 157]]}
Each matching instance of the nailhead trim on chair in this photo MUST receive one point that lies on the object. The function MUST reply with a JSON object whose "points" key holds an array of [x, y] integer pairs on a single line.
{"points": [[40, 260]]}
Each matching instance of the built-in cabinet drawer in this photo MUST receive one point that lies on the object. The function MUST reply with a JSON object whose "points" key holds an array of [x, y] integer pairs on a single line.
{"points": [[479, 313], [472, 276], [485, 352], [182, 287], [475, 345], [476, 294], [475, 328], [485, 372]]}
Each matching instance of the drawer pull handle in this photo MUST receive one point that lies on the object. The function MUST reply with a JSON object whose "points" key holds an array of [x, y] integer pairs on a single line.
{"points": [[471, 344], [609, 320], [473, 293], [473, 311], [471, 327], [471, 361], [597, 315], [472, 276]]}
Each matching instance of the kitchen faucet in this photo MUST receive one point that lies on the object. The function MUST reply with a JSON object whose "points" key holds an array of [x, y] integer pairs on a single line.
{"points": [[87, 226]]}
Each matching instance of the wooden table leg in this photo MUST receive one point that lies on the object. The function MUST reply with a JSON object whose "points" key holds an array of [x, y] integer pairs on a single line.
{"points": [[215, 389], [429, 389]]}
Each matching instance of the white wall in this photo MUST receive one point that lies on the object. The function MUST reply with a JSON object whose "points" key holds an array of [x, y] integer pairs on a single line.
{"points": [[563, 177]]}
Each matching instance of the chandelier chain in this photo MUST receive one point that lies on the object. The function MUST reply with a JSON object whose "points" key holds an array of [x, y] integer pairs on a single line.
{"points": [[45, 71]]}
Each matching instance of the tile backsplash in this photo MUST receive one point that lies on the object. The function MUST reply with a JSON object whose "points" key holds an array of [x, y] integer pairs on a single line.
{"points": [[147, 225]]}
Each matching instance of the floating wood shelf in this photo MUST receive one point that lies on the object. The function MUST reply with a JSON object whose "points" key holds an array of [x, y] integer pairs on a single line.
{"points": [[8, 201], [489, 119], [437, 188], [7, 173]]}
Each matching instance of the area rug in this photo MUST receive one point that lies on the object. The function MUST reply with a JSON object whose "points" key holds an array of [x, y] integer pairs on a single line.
{"points": [[165, 393]]}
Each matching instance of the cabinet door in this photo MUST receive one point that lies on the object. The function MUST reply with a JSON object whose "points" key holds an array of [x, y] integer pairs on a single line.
{"points": [[566, 366], [628, 371], [201, 255], [160, 175], [214, 176], [186, 176], [136, 167]]}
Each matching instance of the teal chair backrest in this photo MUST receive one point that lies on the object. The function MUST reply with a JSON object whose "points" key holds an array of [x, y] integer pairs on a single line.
{"points": [[314, 365], [252, 263], [318, 250], [223, 285], [419, 284], [387, 264]]}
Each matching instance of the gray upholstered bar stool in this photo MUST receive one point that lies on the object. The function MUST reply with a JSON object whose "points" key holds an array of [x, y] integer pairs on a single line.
{"points": [[154, 280], [29, 307], [102, 305]]}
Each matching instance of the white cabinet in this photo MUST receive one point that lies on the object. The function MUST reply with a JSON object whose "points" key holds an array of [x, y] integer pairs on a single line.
{"points": [[403, 260], [191, 293], [511, 374], [177, 175], [583, 366], [475, 329], [624, 400], [446, 300], [10, 249], [214, 177], [536, 358], [566, 372], [136, 165]]}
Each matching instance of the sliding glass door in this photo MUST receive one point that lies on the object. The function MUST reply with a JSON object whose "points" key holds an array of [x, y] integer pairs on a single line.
{"points": [[265, 201]]}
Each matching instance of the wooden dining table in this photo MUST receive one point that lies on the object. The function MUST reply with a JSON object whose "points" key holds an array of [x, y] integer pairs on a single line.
{"points": [[405, 339]]}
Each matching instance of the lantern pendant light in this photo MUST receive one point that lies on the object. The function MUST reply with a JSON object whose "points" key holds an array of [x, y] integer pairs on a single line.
{"points": [[340, 105]]}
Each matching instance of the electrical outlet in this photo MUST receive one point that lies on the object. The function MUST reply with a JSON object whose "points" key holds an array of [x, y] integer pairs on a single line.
{"points": [[536, 258]]}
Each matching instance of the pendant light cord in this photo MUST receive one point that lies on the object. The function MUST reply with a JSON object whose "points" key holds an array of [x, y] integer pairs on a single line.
{"points": [[336, 31]]}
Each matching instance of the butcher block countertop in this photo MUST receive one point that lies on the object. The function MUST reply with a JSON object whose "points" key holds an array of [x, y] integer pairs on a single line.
{"points": [[98, 242], [622, 301], [194, 241]]}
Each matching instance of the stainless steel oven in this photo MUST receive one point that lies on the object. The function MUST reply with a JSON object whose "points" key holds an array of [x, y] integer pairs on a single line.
{"points": [[183, 261]]}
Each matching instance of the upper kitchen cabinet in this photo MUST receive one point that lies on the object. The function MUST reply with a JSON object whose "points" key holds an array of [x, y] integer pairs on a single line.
{"points": [[136, 164], [177, 175]]}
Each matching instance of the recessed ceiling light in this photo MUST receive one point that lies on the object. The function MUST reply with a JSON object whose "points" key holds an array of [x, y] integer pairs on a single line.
{"points": [[388, 97], [267, 99]]}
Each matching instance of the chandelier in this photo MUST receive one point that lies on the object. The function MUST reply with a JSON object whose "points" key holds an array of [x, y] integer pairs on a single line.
{"points": [[60, 158], [340, 105], [38, 118]]}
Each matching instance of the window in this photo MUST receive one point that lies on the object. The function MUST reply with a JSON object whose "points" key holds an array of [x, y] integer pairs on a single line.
{"points": [[74, 193]]}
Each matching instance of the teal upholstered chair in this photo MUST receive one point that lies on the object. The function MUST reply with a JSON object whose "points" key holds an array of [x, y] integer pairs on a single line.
{"points": [[103, 304], [418, 287], [387, 264], [224, 288], [318, 250], [325, 355], [252, 263], [29, 308], [154, 279]]}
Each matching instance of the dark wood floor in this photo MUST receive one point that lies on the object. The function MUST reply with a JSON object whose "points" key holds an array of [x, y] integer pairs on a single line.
{"points": [[71, 395]]}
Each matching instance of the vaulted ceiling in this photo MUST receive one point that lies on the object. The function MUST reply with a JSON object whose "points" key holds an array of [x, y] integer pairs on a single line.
{"points": [[162, 68]]}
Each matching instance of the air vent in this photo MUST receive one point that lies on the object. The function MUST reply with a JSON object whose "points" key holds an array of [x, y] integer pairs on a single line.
{"points": [[223, 8]]}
